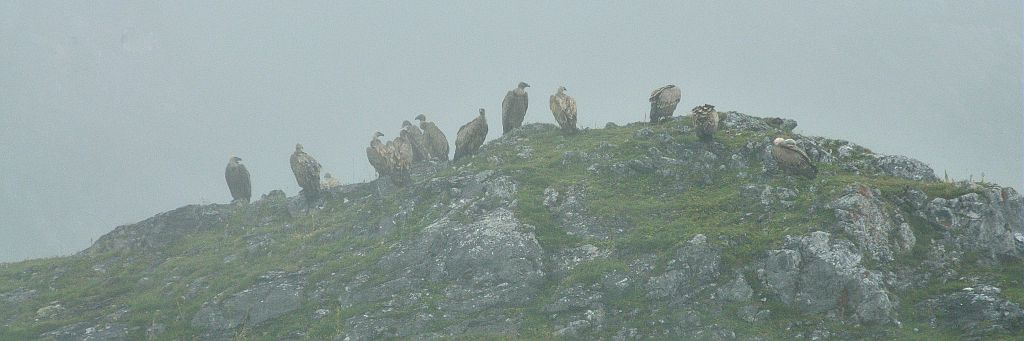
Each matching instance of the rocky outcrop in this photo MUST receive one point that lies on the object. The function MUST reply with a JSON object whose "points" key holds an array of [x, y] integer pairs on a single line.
{"points": [[693, 269], [975, 312], [163, 229], [817, 274], [877, 233], [276, 294], [987, 223]]}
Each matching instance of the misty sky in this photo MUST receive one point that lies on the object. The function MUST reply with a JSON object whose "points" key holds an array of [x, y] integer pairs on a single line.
{"points": [[111, 112]]}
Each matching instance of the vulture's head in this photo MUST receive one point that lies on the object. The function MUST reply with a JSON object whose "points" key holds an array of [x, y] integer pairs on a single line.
{"points": [[778, 141], [406, 123], [298, 147], [377, 134], [481, 111], [421, 118], [234, 159], [562, 89], [523, 85]]}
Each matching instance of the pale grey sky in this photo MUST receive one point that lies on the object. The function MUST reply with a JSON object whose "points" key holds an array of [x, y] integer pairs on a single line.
{"points": [[111, 112]]}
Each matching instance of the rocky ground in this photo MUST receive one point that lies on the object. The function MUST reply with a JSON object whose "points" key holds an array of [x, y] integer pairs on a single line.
{"points": [[627, 232]]}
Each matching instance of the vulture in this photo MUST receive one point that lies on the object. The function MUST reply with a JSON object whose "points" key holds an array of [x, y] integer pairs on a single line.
{"points": [[705, 122], [564, 109], [792, 159], [400, 150], [307, 172], [434, 139], [414, 136], [470, 137], [238, 180], [513, 108], [379, 156], [663, 102]]}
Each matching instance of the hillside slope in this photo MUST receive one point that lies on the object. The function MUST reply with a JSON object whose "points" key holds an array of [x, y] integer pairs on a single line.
{"points": [[619, 233]]}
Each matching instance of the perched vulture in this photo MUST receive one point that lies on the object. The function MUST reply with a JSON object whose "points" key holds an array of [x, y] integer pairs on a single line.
{"points": [[434, 139], [792, 159], [470, 137], [238, 180], [307, 172], [663, 102], [378, 155], [414, 135], [564, 109], [329, 182], [401, 153], [705, 122], [513, 108]]}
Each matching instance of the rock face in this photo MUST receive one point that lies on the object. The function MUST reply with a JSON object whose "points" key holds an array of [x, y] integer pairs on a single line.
{"points": [[157, 232], [877, 233], [904, 167], [975, 311], [694, 268], [634, 232], [277, 294], [817, 274], [985, 223]]}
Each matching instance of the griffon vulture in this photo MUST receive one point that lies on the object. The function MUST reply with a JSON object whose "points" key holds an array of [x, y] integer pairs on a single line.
{"points": [[792, 159], [400, 150], [434, 139], [379, 156], [307, 172], [513, 108], [470, 137], [414, 136], [564, 109], [705, 122], [663, 102], [238, 180]]}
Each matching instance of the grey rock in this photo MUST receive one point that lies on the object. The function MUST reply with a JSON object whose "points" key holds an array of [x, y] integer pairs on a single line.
{"points": [[975, 312], [572, 215], [736, 290], [569, 259], [277, 295], [816, 274], [695, 267], [861, 214], [480, 266], [163, 229], [983, 223], [904, 167]]}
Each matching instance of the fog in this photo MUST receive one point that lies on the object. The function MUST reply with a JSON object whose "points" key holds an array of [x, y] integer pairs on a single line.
{"points": [[111, 112]]}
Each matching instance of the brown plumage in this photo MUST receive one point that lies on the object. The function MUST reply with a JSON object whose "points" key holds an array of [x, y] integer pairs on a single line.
{"points": [[414, 136], [378, 155], [434, 139], [470, 137], [307, 172], [792, 159], [563, 107], [705, 122], [663, 102], [238, 180], [513, 108], [401, 155]]}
